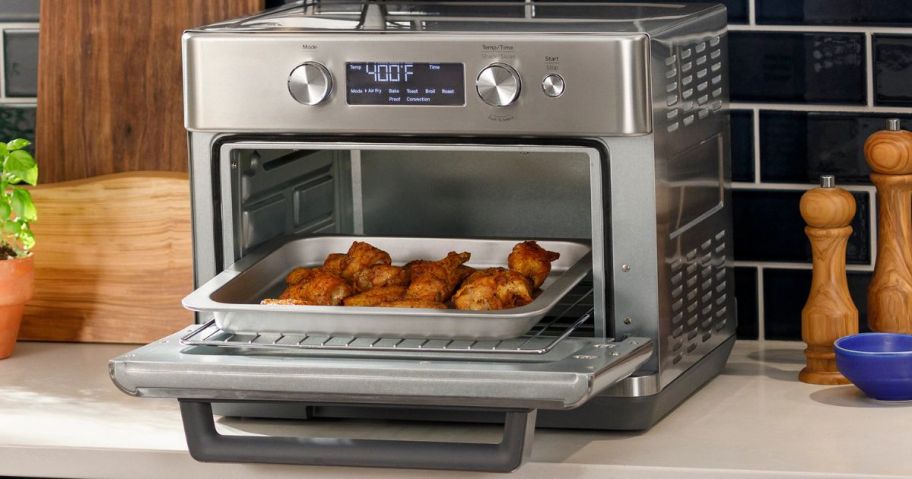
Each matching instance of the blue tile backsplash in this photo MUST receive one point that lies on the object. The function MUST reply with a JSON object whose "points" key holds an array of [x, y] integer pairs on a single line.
{"points": [[797, 67], [893, 69], [811, 79], [742, 145], [799, 147], [774, 217], [834, 12]]}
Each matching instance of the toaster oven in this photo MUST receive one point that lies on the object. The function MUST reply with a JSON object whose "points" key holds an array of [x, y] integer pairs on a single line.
{"points": [[599, 130]]}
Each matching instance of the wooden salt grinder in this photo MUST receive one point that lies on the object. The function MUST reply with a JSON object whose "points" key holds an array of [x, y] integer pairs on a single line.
{"points": [[889, 154], [829, 312]]}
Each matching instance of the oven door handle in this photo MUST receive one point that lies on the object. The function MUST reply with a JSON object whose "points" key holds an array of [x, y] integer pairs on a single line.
{"points": [[207, 445]]}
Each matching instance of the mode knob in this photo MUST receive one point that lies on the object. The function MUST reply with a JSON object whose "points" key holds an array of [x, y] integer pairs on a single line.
{"points": [[498, 84], [310, 83]]}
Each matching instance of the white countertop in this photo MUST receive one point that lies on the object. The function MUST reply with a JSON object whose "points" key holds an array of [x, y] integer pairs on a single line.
{"points": [[60, 416]]}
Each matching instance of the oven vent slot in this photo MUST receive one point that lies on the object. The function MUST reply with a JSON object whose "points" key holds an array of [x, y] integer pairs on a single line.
{"points": [[698, 296], [540, 340], [694, 74]]}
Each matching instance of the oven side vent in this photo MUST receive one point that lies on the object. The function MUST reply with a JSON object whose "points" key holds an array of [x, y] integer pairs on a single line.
{"points": [[699, 297], [694, 82]]}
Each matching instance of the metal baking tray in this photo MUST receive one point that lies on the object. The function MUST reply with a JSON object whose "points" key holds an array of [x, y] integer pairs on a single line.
{"points": [[233, 296]]}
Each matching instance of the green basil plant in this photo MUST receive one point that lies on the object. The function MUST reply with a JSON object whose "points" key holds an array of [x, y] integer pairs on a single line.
{"points": [[17, 211]]}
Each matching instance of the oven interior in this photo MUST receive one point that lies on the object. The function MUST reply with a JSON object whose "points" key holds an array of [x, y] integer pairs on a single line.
{"points": [[272, 191]]}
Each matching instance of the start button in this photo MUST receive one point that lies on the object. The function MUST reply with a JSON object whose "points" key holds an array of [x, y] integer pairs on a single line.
{"points": [[553, 85]]}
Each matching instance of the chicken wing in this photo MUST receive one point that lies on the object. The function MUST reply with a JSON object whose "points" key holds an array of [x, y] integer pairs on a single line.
{"points": [[320, 288], [375, 296], [413, 303], [492, 289], [435, 280], [298, 275], [532, 261], [333, 263], [362, 255], [379, 276]]}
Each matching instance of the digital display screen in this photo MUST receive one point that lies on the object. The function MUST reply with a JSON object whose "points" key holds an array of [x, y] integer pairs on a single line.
{"points": [[392, 83]]}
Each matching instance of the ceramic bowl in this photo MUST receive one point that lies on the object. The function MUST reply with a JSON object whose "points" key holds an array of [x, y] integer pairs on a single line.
{"points": [[880, 364]]}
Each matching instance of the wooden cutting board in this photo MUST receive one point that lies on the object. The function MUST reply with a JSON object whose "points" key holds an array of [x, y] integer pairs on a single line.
{"points": [[113, 259]]}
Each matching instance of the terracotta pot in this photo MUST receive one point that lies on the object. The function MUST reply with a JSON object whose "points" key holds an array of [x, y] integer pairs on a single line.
{"points": [[17, 278]]}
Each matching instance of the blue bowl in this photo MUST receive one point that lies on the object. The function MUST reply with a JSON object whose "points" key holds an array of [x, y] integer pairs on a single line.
{"points": [[880, 364]]}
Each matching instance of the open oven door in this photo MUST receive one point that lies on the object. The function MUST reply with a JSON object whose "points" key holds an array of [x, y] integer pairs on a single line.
{"points": [[556, 374]]}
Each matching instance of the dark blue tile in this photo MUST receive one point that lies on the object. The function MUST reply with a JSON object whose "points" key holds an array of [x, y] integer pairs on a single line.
{"points": [[20, 61], [737, 9], [17, 122], [19, 11], [797, 67], [893, 70], [799, 147], [785, 292], [746, 294], [742, 145], [834, 12], [768, 227]]}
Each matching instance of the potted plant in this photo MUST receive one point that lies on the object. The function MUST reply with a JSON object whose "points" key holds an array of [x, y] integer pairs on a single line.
{"points": [[17, 212]]}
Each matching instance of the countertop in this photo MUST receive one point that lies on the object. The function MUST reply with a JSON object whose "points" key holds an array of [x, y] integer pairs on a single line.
{"points": [[60, 416]]}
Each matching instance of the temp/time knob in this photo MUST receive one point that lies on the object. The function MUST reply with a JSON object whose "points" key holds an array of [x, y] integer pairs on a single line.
{"points": [[310, 83], [498, 84]]}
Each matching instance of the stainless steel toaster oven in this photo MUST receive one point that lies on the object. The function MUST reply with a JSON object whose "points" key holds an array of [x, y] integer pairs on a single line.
{"points": [[599, 130]]}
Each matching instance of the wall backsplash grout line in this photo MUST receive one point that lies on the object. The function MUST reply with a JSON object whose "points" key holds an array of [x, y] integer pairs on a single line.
{"points": [[751, 12], [869, 68], [815, 107], [817, 29], [743, 185], [755, 113], [761, 307], [861, 268]]}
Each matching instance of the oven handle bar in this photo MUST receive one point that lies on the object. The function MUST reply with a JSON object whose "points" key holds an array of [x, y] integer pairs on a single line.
{"points": [[207, 445]]}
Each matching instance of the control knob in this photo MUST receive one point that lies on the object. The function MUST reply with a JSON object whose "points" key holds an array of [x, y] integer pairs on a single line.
{"points": [[498, 84], [310, 83]]}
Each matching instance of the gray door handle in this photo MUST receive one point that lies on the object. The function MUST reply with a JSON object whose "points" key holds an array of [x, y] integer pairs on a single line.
{"points": [[207, 445]]}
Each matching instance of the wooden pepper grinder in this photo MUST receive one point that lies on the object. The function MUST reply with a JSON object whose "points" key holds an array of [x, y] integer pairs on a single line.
{"points": [[829, 312], [889, 154]]}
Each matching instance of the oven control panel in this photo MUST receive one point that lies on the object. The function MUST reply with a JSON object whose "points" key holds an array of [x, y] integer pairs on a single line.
{"points": [[443, 84], [413, 84]]}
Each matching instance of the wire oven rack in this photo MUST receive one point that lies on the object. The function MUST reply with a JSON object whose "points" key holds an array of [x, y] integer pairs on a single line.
{"points": [[541, 339]]}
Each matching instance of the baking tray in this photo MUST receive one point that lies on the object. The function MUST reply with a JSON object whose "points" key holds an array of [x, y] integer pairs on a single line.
{"points": [[233, 296]]}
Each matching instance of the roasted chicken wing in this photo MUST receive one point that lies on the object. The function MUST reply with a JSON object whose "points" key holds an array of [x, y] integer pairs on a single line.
{"points": [[380, 275], [532, 261], [333, 263], [319, 288], [375, 296], [435, 280], [299, 274], [362, 255], [413, 303], [492, 289]]}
